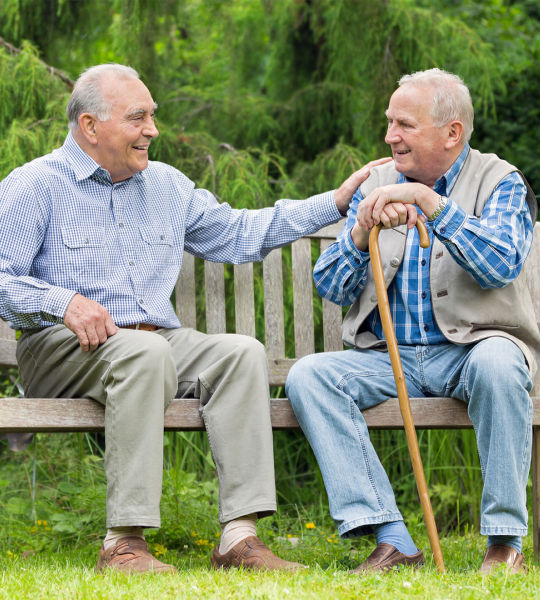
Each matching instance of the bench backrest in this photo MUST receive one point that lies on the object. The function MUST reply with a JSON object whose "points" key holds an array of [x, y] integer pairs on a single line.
{"points": [[233, 297]]}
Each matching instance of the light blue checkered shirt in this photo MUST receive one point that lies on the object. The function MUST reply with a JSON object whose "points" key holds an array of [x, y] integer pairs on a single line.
{"points": [[491, 248], [66, 228]]}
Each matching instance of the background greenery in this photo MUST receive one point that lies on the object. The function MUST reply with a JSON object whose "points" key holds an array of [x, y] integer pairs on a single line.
{"points": [[258, 99]]}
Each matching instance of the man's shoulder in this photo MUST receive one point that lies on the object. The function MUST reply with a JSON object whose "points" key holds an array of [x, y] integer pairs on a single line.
{"points": [[38, 170], [158, 169], [488, 161], [385, 174]]}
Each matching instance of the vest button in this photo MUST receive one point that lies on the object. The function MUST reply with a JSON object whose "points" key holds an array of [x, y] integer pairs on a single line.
{"points": [[395, 261], [373, 298]]}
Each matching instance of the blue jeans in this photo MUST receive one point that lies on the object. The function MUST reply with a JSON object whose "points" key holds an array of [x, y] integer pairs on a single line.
{"points": [[328, 391]]}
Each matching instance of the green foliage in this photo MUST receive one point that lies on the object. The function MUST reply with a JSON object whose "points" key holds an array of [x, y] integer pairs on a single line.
{"points": [[32, 108]]}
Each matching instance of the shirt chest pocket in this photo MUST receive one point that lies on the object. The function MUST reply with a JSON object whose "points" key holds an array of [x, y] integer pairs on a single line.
{"points": [[85, 253], [83, 237], [158, 245]]}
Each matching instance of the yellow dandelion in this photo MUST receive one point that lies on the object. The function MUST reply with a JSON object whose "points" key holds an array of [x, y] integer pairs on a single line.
{"points": [[160, 550], [310, 525]]}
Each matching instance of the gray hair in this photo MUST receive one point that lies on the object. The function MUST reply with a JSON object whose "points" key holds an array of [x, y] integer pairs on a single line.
{"points": [[451, 100], [87, 96]]}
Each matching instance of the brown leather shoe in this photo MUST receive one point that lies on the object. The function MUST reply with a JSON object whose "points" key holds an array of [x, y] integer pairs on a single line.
{"points": [[251, 553], [131, 555], [500, 554], [386, 557]]}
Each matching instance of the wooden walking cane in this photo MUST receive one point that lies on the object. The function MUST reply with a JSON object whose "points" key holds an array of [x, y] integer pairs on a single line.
{"points": [[403, 396]]}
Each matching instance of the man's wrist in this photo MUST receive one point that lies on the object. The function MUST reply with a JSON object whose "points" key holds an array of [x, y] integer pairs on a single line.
{"points": [[443, 201]]}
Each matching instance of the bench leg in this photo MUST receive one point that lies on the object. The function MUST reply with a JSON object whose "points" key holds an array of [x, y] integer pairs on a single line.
{"points": [[536, 490]]}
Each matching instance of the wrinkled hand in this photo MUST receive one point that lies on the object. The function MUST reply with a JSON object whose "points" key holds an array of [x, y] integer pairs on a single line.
{"points": [[345, 192], [391, 215], [394, 205], [90, 322]]}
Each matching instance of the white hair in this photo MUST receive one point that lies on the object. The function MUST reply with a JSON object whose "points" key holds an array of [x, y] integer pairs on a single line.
{"points": [[87, 95], [451, 100]]}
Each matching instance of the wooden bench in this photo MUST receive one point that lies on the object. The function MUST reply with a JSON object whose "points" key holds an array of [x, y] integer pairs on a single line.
{"points": [[230, 296]]}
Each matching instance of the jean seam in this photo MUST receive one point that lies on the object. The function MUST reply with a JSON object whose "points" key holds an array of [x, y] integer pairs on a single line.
{"points": [[352, 409]]}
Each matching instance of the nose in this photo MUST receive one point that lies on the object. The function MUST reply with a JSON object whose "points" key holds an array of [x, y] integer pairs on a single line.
{"points": [[150, 130], [392, 134]]}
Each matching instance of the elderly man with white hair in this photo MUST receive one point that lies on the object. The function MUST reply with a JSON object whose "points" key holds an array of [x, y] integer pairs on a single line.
{"points": [[464, 321], [91, 244]]}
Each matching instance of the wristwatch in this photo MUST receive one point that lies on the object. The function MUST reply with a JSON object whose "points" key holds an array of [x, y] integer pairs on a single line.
{"points": [[443, 201]]}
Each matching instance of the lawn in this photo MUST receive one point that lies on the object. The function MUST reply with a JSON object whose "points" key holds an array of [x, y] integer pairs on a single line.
{"points": [[70, 574], [51, 531]]}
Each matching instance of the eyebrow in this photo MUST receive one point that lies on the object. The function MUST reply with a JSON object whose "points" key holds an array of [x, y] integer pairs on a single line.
{"points": [[140, 111]]}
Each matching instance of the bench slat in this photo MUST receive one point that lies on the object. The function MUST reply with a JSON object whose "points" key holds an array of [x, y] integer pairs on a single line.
{"points": [[186, 308], [304, 338], [244, 300], [214, 284], [81, 414], [273, 304]]}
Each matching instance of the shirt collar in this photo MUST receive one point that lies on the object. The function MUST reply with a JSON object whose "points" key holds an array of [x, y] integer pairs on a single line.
{"points": [[446, 182], [83, 165]]}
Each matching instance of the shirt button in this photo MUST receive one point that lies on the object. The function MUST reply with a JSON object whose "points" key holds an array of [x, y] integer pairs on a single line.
{"points": [[423, 262], [162, 237], [443, 229], [426, 327], [86, 241], [120, 224], [131, 263], [424, 295], [140, 301]]}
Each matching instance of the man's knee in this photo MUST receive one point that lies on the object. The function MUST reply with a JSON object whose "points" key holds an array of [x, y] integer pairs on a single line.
{"points": [[244, 347], [150, 355], [303, 375], [498, 360]]}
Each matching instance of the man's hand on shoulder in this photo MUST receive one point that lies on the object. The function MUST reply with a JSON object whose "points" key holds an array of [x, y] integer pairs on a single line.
{"points": [[90, 322], [345, 192]]}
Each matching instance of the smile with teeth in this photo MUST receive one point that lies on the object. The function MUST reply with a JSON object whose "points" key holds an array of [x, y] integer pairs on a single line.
{"points": [[401, 152], [140, 147]]}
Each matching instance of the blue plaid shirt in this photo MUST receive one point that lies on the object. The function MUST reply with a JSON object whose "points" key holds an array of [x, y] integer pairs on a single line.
{"points": [[491, 248], [66, 228]]}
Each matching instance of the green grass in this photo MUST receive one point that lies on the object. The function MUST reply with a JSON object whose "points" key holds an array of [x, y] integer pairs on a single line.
{"points": [[69, 574], [49, 546]]}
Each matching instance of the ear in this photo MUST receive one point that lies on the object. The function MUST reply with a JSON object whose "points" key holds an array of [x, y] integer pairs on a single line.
{"points": [[455, 134], [87, 126]]}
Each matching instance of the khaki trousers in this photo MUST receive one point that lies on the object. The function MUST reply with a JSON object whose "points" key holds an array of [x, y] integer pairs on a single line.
{"points": [[135, 374]]}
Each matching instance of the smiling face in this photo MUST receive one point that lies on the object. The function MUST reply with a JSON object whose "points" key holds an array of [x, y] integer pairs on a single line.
{"points": [[120, 144], [421, 151]]}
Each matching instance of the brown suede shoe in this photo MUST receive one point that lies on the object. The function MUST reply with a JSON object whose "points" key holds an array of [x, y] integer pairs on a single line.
{"points": [[131, 555], [500, 554], [251, 553], [386, 557]]}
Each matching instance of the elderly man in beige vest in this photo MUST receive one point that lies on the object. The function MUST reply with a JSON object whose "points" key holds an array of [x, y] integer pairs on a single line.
{"points": [[463, 317]]}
